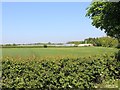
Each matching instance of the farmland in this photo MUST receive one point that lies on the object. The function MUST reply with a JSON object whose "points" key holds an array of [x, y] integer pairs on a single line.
{"points": [[43, 46], [56, 52]]}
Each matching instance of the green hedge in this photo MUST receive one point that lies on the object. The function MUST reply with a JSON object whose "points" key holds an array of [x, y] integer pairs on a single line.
{"points": [[60, 74]]}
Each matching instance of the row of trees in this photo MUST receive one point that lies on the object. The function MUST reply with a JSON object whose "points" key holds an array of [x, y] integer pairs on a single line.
{"points": [[76, 42], [103, 41]]}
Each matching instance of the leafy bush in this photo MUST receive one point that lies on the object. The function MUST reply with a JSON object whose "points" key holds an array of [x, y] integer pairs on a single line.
{"points": [[60, 74], [118, 46], [45, 46]]}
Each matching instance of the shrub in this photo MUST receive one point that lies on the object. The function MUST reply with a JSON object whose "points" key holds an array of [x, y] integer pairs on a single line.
{"points": [[118, 46], [60, 74], [45, 46]]}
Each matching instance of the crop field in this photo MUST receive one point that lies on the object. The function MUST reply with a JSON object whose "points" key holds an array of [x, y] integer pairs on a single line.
{"points": [[56, 52]]}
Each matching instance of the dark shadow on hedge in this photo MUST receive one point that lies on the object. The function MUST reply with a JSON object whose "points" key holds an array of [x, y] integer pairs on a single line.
{"points": [[118, 56]]}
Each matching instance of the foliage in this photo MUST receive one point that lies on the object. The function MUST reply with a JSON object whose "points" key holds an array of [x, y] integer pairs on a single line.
{"points": [[106, 16], [45, 46], [59, 74], [76, 42], [103, 41]]}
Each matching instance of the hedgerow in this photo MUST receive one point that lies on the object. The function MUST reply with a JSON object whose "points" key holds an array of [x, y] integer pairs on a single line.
{"points": [[60, 74]]}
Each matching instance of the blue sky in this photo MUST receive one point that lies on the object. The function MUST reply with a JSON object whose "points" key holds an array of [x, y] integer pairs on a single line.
{"points": [[26, 22]]}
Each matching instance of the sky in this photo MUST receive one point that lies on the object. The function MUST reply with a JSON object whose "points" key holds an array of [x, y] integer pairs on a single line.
{"points": [[34, 22]]}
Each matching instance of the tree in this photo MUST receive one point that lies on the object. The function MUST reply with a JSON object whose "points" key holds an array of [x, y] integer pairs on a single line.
{"points": [[103, 41], [45, 46], [106, 16]]}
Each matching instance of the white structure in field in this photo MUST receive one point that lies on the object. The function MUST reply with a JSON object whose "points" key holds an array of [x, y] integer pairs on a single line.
{"points": [[85, 45]]}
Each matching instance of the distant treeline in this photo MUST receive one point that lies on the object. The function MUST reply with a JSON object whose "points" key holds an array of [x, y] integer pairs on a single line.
{"points": [[101, 41], [33, 46]]}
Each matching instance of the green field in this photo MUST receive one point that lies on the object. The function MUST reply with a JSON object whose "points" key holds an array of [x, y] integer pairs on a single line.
{"points": [[56, 52], [79, 51]]}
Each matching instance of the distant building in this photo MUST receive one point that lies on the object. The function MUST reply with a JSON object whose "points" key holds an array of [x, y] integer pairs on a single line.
{"points": [[85, 45]]}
